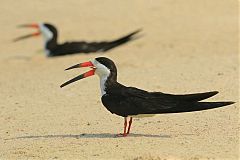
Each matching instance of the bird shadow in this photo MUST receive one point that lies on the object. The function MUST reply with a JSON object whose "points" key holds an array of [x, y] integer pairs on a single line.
{"points": [[92, 135]]}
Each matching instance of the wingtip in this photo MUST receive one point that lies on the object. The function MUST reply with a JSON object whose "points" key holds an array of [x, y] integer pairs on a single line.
{"points": [[214, 92], [227, 103], [230, 102], [224, 103], [136, 35], [137, 31]]}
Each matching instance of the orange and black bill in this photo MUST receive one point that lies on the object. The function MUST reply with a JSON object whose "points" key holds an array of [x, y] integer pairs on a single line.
{"points": [[84, 64], [84, 75], [33, 25], [28, 35]]}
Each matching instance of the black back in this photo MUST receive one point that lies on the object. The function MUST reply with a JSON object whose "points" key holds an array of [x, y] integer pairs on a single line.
{"points": [[82, 46], [127, 101]]}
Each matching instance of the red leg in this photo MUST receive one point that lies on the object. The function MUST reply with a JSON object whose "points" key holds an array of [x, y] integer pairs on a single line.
{"points": [[124, 134], [125, 126], [129, 125]]}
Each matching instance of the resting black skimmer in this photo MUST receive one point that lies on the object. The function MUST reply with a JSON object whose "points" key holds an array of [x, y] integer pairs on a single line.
{"points": [[52, 48], [133, 102]]}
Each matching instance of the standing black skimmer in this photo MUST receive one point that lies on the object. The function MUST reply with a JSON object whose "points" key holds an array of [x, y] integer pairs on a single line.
{"points": [[133, 102], [52, 48]]}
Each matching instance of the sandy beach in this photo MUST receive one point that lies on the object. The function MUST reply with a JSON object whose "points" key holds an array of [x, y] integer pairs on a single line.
{"points": [[185, 47]]}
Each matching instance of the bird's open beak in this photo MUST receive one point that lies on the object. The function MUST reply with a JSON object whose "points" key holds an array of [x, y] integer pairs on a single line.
{"points": [[84, 75], [28, 35]]}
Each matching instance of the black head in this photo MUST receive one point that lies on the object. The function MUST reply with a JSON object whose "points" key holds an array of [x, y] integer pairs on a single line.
{"points": [[107, 63], [51, 28], [101, 66], [105, 67], [48, 31]]}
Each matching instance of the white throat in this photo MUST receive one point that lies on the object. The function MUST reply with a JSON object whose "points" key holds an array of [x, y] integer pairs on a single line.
{"points": [[103, 73], [102, 85], [47, 36]]}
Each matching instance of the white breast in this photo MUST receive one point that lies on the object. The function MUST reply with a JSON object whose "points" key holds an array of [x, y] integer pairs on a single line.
{"points": [[102, 85]]}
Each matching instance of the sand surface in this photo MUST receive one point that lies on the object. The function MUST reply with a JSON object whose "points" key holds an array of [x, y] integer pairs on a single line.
{"points": [[186, 46]]}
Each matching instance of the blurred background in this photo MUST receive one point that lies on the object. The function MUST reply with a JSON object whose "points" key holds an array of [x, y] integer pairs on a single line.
{"points": [[167, 24]]}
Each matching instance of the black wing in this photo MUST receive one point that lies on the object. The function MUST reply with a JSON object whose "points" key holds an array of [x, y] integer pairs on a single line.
{"points": [[132, 101], [110, 45], [91, 47]]}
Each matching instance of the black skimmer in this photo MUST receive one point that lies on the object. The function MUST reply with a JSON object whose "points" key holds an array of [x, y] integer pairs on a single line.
{"points": [[133, 102], [52, 48]]}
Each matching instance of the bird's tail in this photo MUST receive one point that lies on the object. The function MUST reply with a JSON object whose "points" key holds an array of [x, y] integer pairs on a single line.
{"points": [[122, 40], [197, 106]]}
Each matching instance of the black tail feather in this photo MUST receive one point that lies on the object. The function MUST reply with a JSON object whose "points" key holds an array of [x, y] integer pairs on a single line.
{"points": [[121, 40], [196, 97], [197, 106]]}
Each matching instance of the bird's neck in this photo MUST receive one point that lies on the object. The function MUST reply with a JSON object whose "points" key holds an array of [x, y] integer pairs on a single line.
{"points": [[50, 41], [107, 82], [103, 85], [50, 45]]}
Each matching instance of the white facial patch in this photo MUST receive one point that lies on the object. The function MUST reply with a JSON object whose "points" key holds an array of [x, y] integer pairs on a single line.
{"points": [[47, 36], [103, 73]]}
